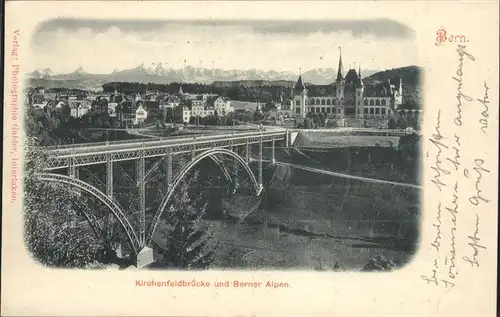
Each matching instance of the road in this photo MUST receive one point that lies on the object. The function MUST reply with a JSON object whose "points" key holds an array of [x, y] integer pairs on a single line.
{"points": [[123, 146]]}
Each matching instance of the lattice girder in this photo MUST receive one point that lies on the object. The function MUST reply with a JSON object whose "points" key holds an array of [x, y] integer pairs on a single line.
{"points": [[89, 154]]}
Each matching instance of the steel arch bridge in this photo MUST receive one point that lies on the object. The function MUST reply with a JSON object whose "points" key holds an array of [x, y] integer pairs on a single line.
{"points": [[199, 148]]}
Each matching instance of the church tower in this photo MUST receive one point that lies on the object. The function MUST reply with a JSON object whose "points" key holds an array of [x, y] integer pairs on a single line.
{"points": [[359, 95], [300, 98], [340, 86]]}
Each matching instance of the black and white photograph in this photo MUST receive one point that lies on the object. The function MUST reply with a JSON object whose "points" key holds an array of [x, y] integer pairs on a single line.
{"points": [[223, 144]]}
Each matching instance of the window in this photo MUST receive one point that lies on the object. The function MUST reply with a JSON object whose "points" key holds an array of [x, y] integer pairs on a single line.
{"points": [[383, 102], [371, 111], [357, 110], [377, 102], [297, 102], [338, 110], [312, 102], [323, 109], [312, 109], [297, 110], [358, 93], [366, 102], [377, 110], [322, 102], [366, 111], [372, 102], [334, 102], [328, 110], [318, 102], [328, 102], [383, 111], [359, 103]]}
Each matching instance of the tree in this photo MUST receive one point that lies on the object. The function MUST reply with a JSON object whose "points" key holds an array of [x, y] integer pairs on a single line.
{"points": [[308, 123], [392, 124], [52, 233], [216, 118], [187, 240], [258, 116], [269, 106]]}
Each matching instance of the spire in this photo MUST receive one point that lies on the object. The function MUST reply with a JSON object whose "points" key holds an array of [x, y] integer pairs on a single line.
{"points": [[340, 75], [299, 86], [360, 77], [180, 90]]}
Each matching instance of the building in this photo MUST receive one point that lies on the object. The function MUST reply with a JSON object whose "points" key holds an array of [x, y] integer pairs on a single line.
{"points": [[347, 97], [223, 106], [172, 101], [78, 109], [197, 108], [125, 113], [141, 114], [113, 103], [182, 113]]}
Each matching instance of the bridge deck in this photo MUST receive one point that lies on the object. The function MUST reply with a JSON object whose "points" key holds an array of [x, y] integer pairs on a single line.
{"points": [[97, 153], [89, 154]]}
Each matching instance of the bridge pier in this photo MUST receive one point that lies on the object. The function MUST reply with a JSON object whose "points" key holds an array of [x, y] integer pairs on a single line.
{"points": [[109, 191], [73, 170], [140, 171], [169, 169], [109, 175], [260, 162], [247, 152], [144, 257], [273, 152]]}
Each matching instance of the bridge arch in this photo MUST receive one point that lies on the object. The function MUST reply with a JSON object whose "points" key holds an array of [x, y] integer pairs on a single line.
{"points": [[110, 204], [214, 159], [185, 170]]}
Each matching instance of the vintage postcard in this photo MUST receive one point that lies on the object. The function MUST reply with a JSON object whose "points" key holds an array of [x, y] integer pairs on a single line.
{"points": [[250, 158]]}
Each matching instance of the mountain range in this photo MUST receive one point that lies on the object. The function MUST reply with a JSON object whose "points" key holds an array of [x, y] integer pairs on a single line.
{"points": [[158, 74]]}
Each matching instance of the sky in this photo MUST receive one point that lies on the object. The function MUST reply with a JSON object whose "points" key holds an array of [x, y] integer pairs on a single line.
{"points": [[101, 46]]}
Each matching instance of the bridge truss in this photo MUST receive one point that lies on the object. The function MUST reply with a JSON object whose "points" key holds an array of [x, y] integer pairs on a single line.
{"points": [[71, 158]]}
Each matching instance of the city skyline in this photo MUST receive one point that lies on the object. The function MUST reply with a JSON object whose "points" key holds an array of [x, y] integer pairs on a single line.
{"points": [[105, 46]]}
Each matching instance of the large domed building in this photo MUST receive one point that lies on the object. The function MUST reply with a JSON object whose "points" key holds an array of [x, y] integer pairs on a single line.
{"points": [[347, 97]]}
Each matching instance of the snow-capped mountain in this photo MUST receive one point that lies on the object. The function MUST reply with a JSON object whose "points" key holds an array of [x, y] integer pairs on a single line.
{"points": [[159, 73], [41, 73]]}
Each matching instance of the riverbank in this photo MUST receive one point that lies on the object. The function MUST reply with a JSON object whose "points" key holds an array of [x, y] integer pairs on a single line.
{"points": [[254, 246]]}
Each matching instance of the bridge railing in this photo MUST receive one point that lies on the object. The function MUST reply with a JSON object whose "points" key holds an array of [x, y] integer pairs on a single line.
{"points": [[350, 129], [147, 140], [360, 130], [161, 140]]}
